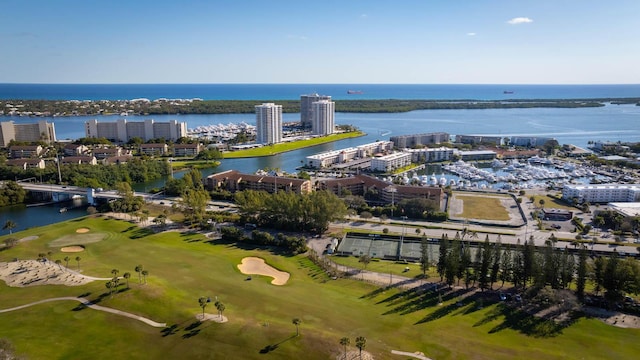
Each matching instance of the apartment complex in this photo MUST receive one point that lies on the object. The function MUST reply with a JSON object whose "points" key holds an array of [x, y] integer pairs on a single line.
{"points": [[40, 131], [233, 180], [328, 158], [122, 130], [306, 108], [429, 155], [602, 193], [409, 141], [479, 139], [323, 122], [390, 162], [388, 192], [268, 123]]}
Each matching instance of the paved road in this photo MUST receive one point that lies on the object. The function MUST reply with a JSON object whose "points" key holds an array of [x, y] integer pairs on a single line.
{"points": [[89, 304]]}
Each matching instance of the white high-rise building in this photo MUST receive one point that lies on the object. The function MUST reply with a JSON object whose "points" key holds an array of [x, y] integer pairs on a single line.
{"points": [[122, 130], [268, 123], [306, 108], [323, 117], [40, 131]]}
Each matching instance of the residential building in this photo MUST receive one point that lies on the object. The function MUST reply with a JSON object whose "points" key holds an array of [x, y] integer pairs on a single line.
{"points": [[103, 153], [601, 193], [268, 123], [430, 155], [154, 149], [74, 149], [417, 140], [328, 158], [306, 108], [40, 131], [233, 180], [34, 163], [390, 162], [25, 151], [323, 122], [186, 149], [90, 160], [122, 130], [117, 160], [476, 155], [529, 141], [479, 139], [388, 192]]}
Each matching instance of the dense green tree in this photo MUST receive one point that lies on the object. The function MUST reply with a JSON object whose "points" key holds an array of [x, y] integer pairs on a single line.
{"points": [[12, 193], [442, 256], [424, 255]]}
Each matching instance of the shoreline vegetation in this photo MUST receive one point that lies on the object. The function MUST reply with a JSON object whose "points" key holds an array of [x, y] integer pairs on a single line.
{"points": [[144, 107], [275, 149]]}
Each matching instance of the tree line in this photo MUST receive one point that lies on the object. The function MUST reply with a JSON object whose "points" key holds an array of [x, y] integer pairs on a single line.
{"points": [[526, 265], [293, 244]]}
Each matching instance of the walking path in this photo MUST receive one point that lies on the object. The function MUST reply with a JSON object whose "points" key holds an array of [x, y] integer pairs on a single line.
{"points": [[89, 304]]}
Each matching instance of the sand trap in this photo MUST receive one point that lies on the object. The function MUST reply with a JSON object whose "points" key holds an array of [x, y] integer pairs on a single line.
{"points": [[33, 272], [72, 249], [82, 231], [212, 317], [257, 266]]}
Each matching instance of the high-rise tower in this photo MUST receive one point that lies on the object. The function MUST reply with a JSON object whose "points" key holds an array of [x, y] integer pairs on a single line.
{"points": [[268, 123], [306, 108], [323, 117]]}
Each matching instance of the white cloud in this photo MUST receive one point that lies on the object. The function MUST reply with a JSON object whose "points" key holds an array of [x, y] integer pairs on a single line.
{"points": [[471, 34], [519, 20]]}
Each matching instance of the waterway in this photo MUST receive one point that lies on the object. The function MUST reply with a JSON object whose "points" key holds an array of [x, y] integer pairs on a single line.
{"points": [[29, 217]]}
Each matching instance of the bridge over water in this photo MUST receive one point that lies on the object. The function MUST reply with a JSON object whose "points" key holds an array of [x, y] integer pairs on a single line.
{"points": [[64, 192]]}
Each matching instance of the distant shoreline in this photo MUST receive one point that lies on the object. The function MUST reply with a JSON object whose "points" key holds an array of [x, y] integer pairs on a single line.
{"points": [[144, 107]]}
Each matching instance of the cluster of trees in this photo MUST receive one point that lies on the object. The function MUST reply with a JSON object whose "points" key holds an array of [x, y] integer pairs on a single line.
{"points": [[11, 193], [616, 221], [138, 169], [527, 265], [293, 244], [415, 208], [288, 210], [127, 203]]}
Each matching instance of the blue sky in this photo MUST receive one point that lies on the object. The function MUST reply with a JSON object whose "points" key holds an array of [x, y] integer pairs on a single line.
{"points": [[348, 41]]}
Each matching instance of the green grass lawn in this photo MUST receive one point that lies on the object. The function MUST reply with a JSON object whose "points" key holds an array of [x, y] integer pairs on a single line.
{"points": [[482, 207], [550, 202], [184, 267], [289, 146]]}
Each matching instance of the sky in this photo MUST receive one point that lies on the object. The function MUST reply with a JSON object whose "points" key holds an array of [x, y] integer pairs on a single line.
{"points": [[331, 41]]}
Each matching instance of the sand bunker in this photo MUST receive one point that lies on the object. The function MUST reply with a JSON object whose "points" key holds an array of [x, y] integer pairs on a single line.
{"points": [[212, 317], [257, 266], [82, 231], [33, 272], [72, 249]]}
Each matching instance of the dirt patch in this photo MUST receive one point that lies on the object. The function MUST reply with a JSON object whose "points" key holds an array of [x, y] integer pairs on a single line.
{"points": [[613, 318], [257, 266], [82, 230], [72, 249], [212, 317]]}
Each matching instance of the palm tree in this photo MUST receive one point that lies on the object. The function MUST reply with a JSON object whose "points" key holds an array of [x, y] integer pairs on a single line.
{"points": [[9, 225], [109, 286], [344, 342], [78, 258], [139, 271], [360, 344], [58, 262], [115, 272], [203, 301], [296, 322], [127, 275], [144, 274], [66, 260], [220, 306]]}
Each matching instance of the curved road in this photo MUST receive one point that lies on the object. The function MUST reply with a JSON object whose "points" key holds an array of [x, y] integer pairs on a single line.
{"points": [[89, 304]]}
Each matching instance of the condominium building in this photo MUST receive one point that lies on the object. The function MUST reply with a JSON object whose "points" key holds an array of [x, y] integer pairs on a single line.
{"points": [[329, 158], [391, 162], [268, 123], [306, 108], [529, 141], [478, 139], [602, 193], [122, 130], [428, 155], [323, 117], [40, 131], [409, 141], [233, 180]]}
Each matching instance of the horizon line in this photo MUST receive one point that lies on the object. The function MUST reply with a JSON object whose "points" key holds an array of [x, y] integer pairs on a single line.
{"points": [[304, 83]]}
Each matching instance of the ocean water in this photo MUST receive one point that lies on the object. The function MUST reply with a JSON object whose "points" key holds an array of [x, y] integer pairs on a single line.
{"points": [[293, 91]]}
